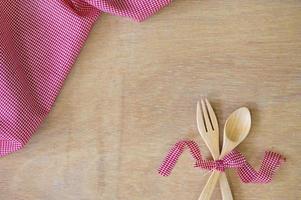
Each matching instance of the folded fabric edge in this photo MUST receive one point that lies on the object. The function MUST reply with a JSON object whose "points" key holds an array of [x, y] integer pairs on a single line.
{"points": [[136, 10], [154, 8], [9, 146]]}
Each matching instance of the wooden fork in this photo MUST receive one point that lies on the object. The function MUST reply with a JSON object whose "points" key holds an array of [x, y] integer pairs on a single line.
{"points": [[208, 128]]}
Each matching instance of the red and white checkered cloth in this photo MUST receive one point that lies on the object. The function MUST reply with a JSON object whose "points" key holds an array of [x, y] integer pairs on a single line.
{"points": [[39, 42], [234, 159]]}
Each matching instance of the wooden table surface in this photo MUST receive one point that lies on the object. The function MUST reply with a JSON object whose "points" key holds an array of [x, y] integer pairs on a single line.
{"points": [[133, 92]]}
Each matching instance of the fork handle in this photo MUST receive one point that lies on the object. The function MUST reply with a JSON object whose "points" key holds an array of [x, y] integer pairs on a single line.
{"points": [[210, 185], [225, 187]]}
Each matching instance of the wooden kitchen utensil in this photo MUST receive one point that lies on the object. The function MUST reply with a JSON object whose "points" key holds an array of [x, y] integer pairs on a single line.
{"points": [[208, 128], [236, 129]]}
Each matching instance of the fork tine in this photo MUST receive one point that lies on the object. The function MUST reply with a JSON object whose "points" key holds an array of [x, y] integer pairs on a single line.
{"points": [[212, 115], [206, 117], [199, 119]]}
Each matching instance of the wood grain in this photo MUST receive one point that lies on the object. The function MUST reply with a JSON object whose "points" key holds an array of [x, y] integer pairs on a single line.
{"points": [[133, 91]]}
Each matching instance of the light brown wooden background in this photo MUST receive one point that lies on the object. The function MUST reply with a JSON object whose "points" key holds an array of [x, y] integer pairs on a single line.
{"points": [[133, 92]]}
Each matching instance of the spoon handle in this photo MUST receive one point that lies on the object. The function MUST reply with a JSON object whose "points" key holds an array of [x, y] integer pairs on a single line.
{"points": [[225, 187], [210, 185]]}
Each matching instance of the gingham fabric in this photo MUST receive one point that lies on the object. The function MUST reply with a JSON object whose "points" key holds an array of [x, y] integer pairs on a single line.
{"points": [[234, 159], [39, 42]]}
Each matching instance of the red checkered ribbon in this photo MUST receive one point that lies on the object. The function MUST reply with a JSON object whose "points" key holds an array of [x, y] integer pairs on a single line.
{"points": [[234, 159]]}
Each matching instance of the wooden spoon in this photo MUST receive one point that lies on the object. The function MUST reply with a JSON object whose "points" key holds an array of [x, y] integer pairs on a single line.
{"points": [[236, 129]]}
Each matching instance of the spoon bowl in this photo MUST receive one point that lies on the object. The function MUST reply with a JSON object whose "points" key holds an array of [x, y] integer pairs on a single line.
{"points": [[236, 129]]}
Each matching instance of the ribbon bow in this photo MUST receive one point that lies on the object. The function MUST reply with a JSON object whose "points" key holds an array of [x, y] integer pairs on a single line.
{"points": [[234, 159]]}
